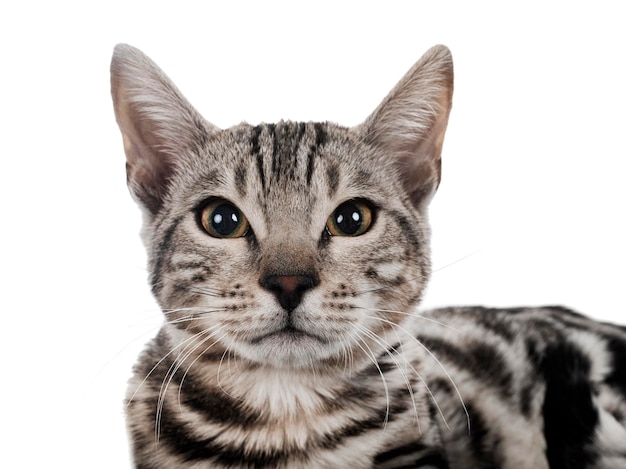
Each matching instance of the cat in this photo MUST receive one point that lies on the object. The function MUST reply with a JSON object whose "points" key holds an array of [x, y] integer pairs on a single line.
{"points": [[289, 260]]}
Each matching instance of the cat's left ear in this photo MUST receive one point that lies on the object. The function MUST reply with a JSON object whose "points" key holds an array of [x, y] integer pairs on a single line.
{"points": [[410, 123]]}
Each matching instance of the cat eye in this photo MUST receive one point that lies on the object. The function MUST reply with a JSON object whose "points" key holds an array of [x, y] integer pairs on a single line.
{"points": [[351, 218], [221, 219]]}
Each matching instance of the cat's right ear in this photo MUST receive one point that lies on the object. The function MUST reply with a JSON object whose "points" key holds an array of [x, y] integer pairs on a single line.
{"points": [[409, 125], [159, 126]]}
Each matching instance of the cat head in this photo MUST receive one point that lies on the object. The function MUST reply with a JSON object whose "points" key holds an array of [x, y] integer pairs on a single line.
{"points": [[288, 244]]}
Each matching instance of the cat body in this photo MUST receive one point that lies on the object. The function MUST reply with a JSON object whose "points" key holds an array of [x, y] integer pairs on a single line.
{"points": [[289, 260]]}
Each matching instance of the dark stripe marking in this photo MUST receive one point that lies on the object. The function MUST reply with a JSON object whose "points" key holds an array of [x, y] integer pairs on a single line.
{"points": [[256, 151], [214, 405], [617, 376], [479, 359], [163, 250], [407, 228], [481, 441], [332, 175], [271, 128], [179, 437], [430, 457], [413, 447], [320, 141], [570, 417], [240, 179]]}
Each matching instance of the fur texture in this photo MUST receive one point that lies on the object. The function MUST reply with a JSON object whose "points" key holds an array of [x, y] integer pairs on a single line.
{"points": [[288, 260]]}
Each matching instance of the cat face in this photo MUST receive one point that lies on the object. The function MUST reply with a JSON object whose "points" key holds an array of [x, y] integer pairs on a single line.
{"points": [[289, 244]]}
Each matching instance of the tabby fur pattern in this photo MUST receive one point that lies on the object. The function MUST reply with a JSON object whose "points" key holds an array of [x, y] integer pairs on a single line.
{"points": [[291, 336]]}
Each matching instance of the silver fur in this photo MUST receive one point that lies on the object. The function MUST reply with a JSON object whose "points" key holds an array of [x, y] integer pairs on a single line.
{"points": [[352, 376]]}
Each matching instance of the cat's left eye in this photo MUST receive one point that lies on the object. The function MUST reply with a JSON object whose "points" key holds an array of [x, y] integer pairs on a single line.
{"points": [[351, 218], [222, 219]]}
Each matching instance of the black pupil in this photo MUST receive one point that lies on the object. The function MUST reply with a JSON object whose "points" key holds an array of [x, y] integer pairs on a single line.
{"points": [[225, 219], [348, 218]]}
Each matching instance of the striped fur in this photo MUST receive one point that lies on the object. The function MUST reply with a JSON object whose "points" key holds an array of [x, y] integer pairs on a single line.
{"points": [[345, 373]]}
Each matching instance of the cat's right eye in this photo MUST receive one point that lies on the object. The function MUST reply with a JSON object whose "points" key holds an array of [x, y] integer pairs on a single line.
{"points": [[222, 219]]}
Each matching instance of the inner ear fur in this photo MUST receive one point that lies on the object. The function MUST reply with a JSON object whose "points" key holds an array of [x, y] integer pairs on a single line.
{"points": [[159, 126], [410, 123]]}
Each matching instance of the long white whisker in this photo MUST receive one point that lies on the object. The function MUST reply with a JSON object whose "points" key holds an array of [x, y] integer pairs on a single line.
{"points": [[438, 269], [414, 315], [181, 344], [182, 380], [193, 309], [225, 355], [418, 374], [419, 277], [372, 356], [405, 377], [443, 368], [386, 287], [174, 367], [150, 331]]}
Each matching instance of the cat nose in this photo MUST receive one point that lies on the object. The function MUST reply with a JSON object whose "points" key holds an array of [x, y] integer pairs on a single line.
{"points": [[289, 289]]}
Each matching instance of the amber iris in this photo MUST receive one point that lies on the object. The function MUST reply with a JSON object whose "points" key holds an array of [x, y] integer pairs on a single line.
{"points": [[351, 218], [222, 219]]}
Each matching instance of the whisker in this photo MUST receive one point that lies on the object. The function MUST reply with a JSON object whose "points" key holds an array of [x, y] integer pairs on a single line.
{"points": [[157, 364], [226, 355], [438, 269], [182, 380], [387, 287], [173, 369], [200, 309], [418, 277], [372, 356], [443, 368], [348, 357], [150, 331], [405, 377], [205, 291], [415, 315], [419, 376]]}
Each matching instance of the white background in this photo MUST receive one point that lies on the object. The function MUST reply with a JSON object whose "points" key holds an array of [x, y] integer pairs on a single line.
{"points": [[533, 178]]}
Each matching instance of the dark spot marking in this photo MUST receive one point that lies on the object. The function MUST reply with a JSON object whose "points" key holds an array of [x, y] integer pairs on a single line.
{"points": [[371, 273]]}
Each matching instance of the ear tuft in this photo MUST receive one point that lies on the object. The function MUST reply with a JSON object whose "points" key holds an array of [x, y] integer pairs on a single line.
{"points": [[410, 123], [159, 127]]}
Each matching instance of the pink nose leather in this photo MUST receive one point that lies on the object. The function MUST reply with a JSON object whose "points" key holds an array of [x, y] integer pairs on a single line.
{"points": [[289, 289]]}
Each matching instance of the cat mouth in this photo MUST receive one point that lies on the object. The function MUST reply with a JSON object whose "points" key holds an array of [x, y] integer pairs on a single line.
{"points": [[289, 334]]}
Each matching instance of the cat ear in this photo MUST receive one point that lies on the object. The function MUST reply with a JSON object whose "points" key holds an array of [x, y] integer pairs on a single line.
{"points": [[410, 123], [159, 126]]}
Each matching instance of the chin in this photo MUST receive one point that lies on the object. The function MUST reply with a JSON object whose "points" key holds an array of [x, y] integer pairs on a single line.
{"points": [[288, 349]]}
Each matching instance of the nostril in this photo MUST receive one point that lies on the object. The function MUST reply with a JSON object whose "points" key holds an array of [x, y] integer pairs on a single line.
{"points": [[289, 289]]}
